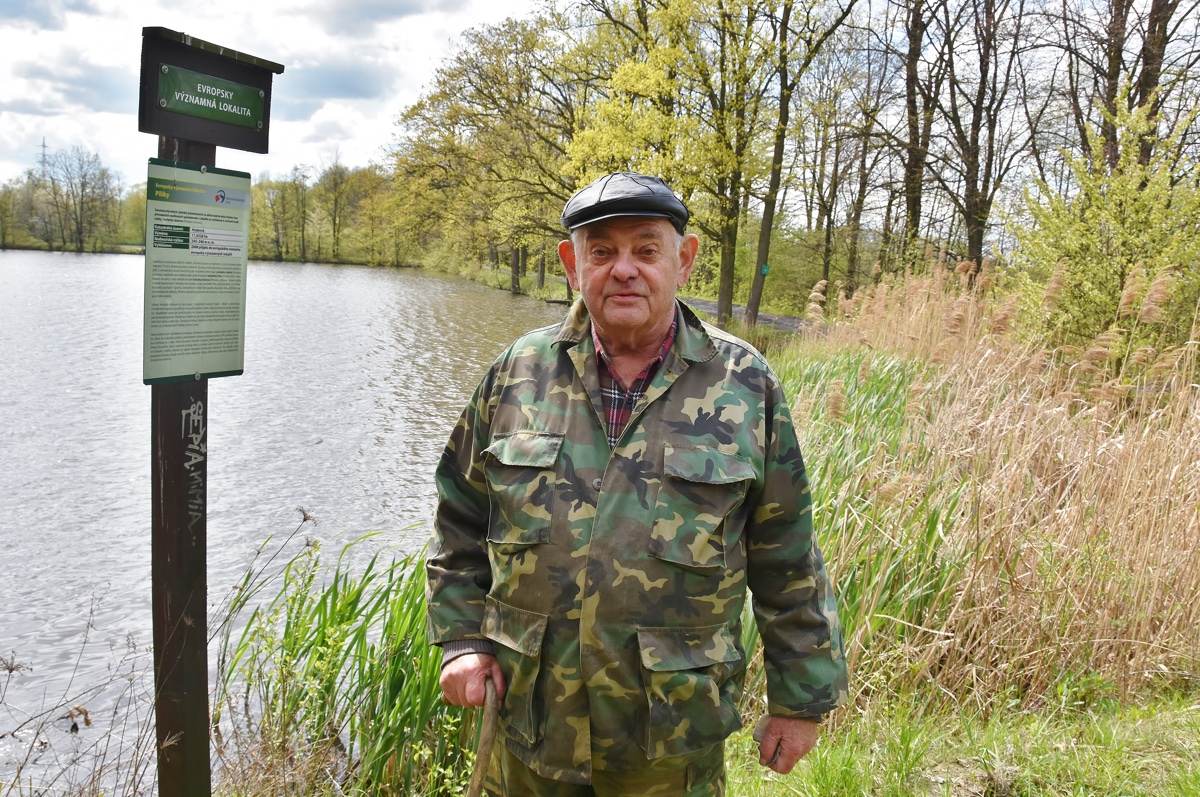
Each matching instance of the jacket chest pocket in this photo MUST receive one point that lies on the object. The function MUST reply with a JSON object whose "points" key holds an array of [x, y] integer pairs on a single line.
{"points": [[700, 486], [691, 688], [520, 471]]}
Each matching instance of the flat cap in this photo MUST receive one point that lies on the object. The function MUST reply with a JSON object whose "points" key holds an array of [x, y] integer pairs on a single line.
{"points": [[624, 194]]}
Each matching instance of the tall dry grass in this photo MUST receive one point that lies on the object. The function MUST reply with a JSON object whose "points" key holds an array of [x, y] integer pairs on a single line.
{"points": [[1026, 523]]}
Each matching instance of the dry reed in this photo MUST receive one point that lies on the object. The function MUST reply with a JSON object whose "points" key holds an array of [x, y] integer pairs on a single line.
{"points": [[1076, 501]]}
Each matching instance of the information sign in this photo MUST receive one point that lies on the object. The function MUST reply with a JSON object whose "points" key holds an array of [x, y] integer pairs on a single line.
{"points": [[197, 234], [208, 97]]}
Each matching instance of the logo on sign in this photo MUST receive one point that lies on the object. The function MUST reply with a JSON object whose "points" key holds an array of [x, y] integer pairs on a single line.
{"points": [[219, 197]]}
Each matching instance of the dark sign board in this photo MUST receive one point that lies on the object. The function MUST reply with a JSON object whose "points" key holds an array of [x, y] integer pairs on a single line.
{"points": [[199, 91]]}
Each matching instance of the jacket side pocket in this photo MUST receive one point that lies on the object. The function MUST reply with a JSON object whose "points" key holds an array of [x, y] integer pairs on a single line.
{"points": [[518, 634], [691, 691]]}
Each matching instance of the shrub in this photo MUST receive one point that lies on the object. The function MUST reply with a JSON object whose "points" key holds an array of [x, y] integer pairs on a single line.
{"points": [[1121, 252]]}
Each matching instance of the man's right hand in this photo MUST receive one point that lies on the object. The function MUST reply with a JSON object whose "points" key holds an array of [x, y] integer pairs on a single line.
{"points": [[463, 679]]}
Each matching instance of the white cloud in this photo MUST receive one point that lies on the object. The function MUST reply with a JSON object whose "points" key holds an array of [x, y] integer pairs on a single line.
{"points": [[69, 68]]}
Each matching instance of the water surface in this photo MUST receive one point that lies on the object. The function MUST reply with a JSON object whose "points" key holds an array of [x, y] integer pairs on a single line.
{"points": [[353, 379]]}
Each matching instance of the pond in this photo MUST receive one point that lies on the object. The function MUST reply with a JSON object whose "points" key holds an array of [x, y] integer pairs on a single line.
{"points": [[353, 379]]}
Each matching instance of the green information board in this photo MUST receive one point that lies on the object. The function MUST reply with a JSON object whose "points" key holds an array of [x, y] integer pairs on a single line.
{"points": [[207, 97], [197, 234]]}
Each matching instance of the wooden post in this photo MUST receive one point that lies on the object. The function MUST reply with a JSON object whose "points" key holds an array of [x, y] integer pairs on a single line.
{"points": [[179, 561], [179, 76]]}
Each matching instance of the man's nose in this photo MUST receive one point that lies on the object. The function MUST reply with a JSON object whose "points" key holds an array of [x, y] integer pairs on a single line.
{"points": [[625, 267]]}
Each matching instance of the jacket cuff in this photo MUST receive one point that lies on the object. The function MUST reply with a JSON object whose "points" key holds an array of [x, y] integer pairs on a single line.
{"points": [[454, 648]]}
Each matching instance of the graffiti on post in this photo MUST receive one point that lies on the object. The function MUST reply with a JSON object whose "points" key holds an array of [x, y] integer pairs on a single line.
{"points": [[194, 430]]}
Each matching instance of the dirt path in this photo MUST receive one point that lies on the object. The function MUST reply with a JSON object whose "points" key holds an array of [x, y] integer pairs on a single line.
{"points": [[778, 321]]}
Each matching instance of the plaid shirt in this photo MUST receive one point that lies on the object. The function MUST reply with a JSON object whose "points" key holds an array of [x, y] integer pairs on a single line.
{"points": [[619, 400]]}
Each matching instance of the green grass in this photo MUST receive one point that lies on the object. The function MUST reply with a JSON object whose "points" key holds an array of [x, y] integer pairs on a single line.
{"points": [[897, 748], [332, 671]]}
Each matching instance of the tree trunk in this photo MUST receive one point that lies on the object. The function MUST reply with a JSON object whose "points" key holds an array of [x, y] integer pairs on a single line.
{"points": [[762, 258], [914, 151], [541, 272], [1154, 46], [515, 270], [729, 231], [1116, 33], [885, 237], [854, 219]]}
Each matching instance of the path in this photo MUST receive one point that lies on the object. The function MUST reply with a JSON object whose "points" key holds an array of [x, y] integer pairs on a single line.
{"points": [[788, 322]]}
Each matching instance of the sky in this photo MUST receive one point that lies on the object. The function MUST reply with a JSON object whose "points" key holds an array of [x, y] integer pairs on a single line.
{"points": [[69, 73]]}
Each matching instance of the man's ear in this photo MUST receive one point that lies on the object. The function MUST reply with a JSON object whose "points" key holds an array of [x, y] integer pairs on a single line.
{"points": [[566, 253], [688, 247]]}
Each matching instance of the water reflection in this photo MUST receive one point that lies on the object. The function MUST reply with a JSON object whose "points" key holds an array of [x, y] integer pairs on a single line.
{"points": [[354, 377]]}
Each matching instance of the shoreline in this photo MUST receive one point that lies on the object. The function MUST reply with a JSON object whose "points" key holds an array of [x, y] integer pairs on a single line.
{"points": [[787, 323]]}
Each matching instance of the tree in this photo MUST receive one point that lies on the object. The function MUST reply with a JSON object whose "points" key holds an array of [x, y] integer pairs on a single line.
{"points": [[814, 32], [921, 89], [335, 198], [1151, 46], [981, 132], [1121, 251], [84, 195], [489, 140], [714, 57]]}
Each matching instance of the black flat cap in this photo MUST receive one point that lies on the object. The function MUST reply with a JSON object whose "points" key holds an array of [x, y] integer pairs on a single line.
{"points": [[624, 194]]}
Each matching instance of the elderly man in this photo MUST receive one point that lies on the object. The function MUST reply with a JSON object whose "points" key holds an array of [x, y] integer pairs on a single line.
{"points": [[613, 487]]}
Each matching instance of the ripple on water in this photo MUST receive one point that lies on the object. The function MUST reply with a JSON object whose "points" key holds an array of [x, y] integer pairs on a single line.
{"points": [[354, 378]]}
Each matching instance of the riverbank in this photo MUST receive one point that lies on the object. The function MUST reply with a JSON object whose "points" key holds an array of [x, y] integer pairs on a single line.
{"points": [[1000, 543], [111, 249], [1000, 530], [996, 647]]}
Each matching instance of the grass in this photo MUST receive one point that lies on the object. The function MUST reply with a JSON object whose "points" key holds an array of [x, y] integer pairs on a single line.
{"points": [[329, 687], [899, 748]]}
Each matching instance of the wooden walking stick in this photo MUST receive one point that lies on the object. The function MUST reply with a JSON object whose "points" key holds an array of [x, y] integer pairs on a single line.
{"points": [[487, 736]]}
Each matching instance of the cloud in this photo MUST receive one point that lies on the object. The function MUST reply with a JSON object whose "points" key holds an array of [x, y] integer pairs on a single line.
{"points": [[77, 83], [30, 107], [357, 17], [300, 91], [46, 14], [327, 131]]}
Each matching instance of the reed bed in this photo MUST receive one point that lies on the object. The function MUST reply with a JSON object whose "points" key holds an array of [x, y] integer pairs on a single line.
{"points": [[329, 686], [1003, 522]]}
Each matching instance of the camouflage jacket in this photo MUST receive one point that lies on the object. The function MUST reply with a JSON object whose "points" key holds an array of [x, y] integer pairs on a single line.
{"points": [[612, 581]]}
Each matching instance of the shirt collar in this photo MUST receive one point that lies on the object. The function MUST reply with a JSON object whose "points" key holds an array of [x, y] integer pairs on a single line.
{"points": [[692, 340], [663, 347]]}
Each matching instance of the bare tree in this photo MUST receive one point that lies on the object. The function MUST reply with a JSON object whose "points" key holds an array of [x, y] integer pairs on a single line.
{"points": [[922, 85], [81, 191], [1140, 52], [981, 129]]}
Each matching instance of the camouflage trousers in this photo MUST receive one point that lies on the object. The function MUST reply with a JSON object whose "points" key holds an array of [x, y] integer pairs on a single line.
{"points": [[697, 775]]}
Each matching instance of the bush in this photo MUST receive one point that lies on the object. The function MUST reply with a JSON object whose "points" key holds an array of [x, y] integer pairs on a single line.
{"points": [[1120, 253]]}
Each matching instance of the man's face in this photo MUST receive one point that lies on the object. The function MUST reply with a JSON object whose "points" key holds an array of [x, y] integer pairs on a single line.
{"points": [[628, 270]]}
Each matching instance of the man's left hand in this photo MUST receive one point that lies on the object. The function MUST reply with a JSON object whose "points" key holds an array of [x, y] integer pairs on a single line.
{"points": [[785, 741]]}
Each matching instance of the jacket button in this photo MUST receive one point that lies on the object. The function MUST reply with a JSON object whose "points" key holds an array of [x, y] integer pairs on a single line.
{"points": [[596, 484]]}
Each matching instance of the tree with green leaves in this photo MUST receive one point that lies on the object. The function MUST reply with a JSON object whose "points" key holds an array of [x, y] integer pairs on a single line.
{"points": [[1121, 252]]}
